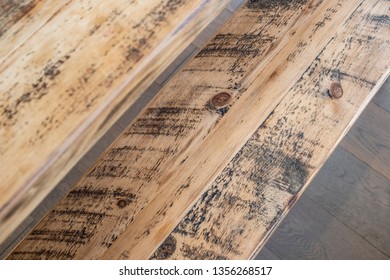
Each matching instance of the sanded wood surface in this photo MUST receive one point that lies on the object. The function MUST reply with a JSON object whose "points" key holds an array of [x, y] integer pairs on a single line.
{"points": [[220, 155], [68, 70]]}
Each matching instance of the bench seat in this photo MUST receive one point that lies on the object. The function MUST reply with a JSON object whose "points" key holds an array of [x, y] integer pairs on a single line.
{"points": [[218, 158]]}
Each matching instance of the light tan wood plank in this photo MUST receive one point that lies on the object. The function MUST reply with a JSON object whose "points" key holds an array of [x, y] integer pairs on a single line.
{"points": [[21, 19], [11, 11], [141, 186], [265, 87], [259, 186], [65, 85]]}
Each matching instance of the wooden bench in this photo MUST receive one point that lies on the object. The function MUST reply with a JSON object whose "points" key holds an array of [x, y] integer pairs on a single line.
{"points": [[69, 69], [220, 155]]}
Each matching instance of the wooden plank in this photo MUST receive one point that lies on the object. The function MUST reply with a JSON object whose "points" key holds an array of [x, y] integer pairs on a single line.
{"points": [[21, 19], [138, 191], [357, 195], [72, 75], [12, 11], [369, 139], [311, 233], [266, 177], [171, 142]]}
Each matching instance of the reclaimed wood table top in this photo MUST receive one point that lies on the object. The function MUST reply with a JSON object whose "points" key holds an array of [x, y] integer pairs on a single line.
{"points": [[220, 155], [68, 70]]}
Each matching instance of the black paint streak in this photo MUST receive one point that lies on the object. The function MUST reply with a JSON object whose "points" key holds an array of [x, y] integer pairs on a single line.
{"points": [[166, 249]]}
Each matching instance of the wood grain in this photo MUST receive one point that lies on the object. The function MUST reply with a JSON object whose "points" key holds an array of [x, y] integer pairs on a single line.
{"points": [[68, 70], [21, 19], [268, 175], [191, 142]]}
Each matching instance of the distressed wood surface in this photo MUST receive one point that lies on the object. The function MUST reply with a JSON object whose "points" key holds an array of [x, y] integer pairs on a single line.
{"points": [[68, 70], [213, 169]]}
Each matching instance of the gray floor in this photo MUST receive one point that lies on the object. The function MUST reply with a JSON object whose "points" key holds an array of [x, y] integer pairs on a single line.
{"points": [[345, 213]]}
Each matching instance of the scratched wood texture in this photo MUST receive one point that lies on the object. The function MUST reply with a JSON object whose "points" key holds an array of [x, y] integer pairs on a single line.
{"points": [[270, 172], [68, 70], [260, 108]]}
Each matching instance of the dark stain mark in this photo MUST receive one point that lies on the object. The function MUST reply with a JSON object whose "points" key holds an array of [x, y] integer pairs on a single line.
{"points": [[381, 19], [196, 253], [193, 220], [38, 89], [42, 254], [166, 250], [168, 121], [133, 54], [12, 11], [101, 193], [235, 45], [274, 4], [273, 75], [222, 111], [67, 236], [335, 91]]}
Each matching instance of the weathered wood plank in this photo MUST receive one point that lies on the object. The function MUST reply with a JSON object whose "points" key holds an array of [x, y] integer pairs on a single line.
{"points": [[168, 131], [141, 185], [270, 172], [143, 170], [21, 19], [71, 76], [13, 10]]}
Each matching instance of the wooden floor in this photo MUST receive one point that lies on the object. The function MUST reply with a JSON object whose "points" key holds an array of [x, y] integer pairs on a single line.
{"points": [[344, 214]]}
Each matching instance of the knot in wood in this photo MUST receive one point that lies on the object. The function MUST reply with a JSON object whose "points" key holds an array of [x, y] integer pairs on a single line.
{"points": [[336, 91], [221, 99], [122, 203]]}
